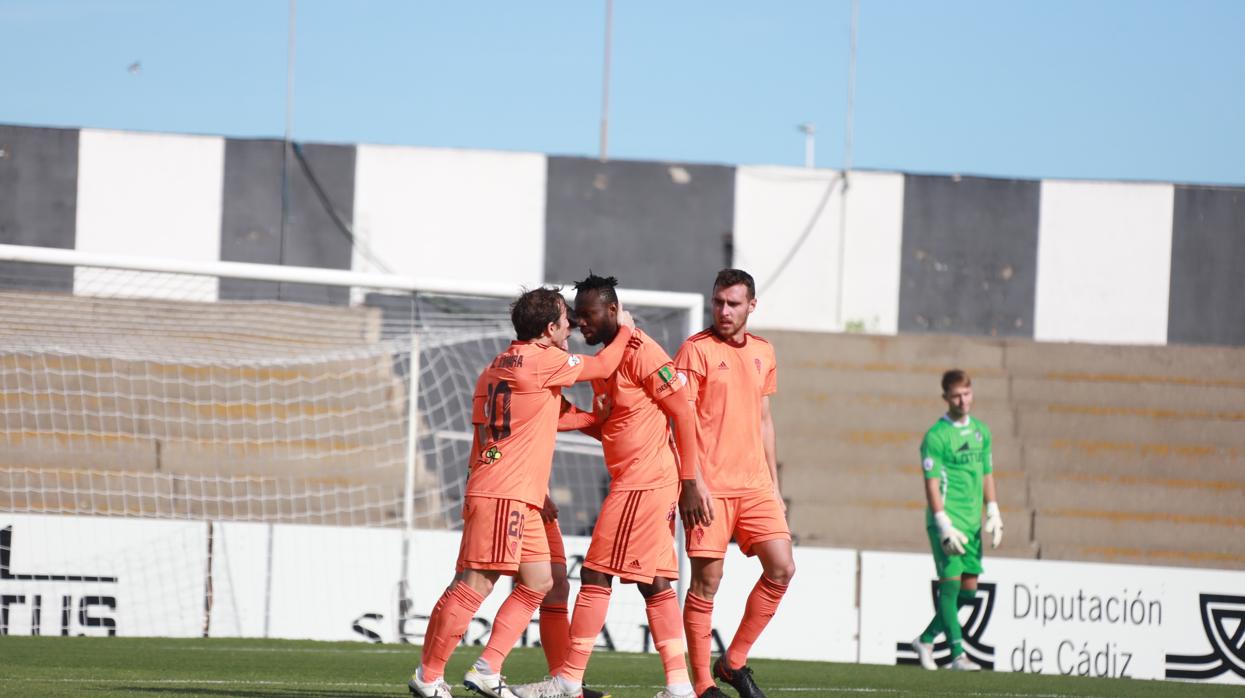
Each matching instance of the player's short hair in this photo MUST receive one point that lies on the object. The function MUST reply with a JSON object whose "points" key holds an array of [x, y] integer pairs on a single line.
{"points": [[603, 285], [733, 277], [955, 377], [534, 310]]}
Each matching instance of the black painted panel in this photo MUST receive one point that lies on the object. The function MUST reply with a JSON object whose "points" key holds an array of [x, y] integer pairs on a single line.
{"points": [[969, 262], [38, 201], [251, 225], [1206, 304], [653, 225]]}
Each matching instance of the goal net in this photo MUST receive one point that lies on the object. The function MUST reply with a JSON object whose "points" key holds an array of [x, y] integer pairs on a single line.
{"points": [[228, 395]]}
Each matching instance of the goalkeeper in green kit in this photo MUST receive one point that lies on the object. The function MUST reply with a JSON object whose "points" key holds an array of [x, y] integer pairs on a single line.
{"points": [[955, 459]]}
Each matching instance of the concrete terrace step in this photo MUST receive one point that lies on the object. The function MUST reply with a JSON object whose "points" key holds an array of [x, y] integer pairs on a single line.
{"points": [[1141, 495], [1130, 458], [852, 485], [891, 525], [1102, 528], [1166, 365], [811, 446], [829, 411], [1096, 390], [1140, 556], [1225, 428]]}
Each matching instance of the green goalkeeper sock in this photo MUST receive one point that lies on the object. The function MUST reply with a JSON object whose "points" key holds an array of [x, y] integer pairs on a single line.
{"points": [[933, 630], [948, 612], [935, 627]]}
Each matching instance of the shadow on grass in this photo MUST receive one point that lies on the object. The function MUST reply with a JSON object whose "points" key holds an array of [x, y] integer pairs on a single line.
{"points": [[274, 692]]}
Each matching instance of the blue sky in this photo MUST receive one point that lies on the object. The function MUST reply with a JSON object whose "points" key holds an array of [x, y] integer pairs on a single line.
{"points": [[1100, 89]]}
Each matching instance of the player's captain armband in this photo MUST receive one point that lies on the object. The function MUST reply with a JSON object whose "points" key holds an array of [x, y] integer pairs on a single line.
{"points": [[927, 464], [573, 360]]}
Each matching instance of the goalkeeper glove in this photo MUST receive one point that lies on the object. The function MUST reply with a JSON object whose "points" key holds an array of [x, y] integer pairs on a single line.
{"points": [[952, 540], [994, 524]]}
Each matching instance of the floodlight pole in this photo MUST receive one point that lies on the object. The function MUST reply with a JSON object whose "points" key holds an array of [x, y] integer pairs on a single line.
{"points": [[810, 137], [289, 127], [605, 80]]}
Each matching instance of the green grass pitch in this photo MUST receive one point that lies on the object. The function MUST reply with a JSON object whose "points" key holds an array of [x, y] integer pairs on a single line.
{"points": [[106, 667]]}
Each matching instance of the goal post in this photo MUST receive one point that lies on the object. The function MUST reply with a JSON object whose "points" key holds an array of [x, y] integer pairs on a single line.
{"points": [[235, 393]]}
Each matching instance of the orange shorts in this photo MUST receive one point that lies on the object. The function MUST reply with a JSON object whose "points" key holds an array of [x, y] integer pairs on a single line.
{"points": [[557, 551], [498, 534], [750, 518], [634, 536]]}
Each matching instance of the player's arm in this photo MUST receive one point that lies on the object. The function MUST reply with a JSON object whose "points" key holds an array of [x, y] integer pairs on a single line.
{"points": [[606, 361], [769, 442], [571, 418], [994, 519], [951, 538], [695, 501]]}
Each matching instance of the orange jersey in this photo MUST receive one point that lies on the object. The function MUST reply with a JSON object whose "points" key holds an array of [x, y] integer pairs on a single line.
{"points": [[515, 407], [727, 383], [636, 437]]}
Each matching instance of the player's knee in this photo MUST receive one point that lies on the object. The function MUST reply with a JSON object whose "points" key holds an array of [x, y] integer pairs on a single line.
{"points": [[705, 584], [543, 585], [659, 585], [782, 572], [559, 591]]}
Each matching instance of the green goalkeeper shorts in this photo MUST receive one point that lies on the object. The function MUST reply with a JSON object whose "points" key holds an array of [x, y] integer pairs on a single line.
{"points": [[952, 566]]}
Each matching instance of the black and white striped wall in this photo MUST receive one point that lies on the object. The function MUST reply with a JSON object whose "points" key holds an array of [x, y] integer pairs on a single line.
{"points": [[1112, 262]]}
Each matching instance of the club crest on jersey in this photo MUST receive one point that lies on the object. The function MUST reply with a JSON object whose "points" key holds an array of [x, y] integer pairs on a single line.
{"points": [[979, 437], [757, 362], [492, 455]]}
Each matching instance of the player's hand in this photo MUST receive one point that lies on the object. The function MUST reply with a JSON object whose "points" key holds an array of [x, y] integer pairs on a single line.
{"points": [[549, 512], [695, 504], [781, 502], [952, 539], [624, 317], [994, 524], [602, 406]]}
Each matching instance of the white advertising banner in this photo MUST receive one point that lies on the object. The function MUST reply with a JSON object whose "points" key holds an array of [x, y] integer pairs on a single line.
{"points": [[819, 605], [1076, 619], [68, 575]]}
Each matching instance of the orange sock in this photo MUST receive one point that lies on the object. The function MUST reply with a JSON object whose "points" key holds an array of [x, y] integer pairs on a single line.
{"points": [[512, 619], [450, 618], [762, 603], [664, 623], [698, 622], [555, 634], [591, 605]]}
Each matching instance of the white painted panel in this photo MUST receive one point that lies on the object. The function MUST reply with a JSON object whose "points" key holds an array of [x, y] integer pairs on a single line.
{"points": [[783, 212], [325, 577], [98, 576], [352, 592], [239, 572], [776, 208], [1104, 262], [1049, 617], [460, 214], [872, 252], [817, 618], [149, 195]]}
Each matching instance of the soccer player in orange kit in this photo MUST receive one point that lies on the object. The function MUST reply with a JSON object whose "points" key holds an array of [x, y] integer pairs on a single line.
{"points": [[634, 535], [731, 373], [515, 411]]}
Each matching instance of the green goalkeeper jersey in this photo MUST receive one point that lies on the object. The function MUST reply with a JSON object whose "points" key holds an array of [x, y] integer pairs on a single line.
{"points": [[959, 456]]}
